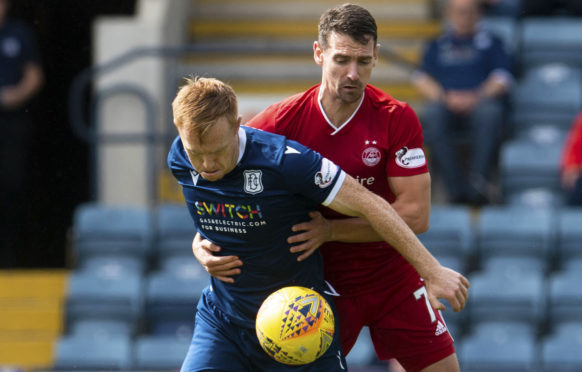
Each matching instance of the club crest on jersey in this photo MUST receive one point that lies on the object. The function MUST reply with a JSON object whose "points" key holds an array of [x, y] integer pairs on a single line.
{"points": [[371, 156], [253, 181], [410, 158], [325, 176]]}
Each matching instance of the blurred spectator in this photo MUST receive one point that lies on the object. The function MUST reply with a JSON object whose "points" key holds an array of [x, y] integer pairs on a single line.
{"points": [[572, 164], [20, 79], [552, 7], [465, 75], [502, 8]]}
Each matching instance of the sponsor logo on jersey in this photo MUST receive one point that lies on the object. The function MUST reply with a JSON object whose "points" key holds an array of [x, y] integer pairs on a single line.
{"points": [[326, 174], [253, 183], [440, 329], [371, 155], [410, 158]]}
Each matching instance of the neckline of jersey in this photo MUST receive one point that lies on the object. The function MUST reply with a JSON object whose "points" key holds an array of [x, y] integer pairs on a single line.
{"points": [[337, 129]]}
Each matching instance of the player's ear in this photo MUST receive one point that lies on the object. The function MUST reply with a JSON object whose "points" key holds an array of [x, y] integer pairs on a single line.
{"points": [[238, 122], [376, 50], [317, 53]]}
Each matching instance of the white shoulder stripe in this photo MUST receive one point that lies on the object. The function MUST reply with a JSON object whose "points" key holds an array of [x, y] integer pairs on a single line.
{"points": [[338, 184], [291, 150]]}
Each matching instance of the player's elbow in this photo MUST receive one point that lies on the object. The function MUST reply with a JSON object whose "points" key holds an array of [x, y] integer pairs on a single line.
{"points": [[418, 219]]}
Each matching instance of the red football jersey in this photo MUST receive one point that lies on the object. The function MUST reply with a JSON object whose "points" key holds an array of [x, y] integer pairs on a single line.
{"points": [[383, 138]]}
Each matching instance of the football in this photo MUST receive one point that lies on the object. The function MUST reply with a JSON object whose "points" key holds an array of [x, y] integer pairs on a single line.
{"points": [[295, 325]]}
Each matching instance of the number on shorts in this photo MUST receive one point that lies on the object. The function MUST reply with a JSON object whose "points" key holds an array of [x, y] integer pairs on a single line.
{"points": [[421, 292]]}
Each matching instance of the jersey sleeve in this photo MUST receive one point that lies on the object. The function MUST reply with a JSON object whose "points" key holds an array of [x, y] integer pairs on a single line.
{"points": [[265, 120], [406, 153], [178, 163], [307, 173]]}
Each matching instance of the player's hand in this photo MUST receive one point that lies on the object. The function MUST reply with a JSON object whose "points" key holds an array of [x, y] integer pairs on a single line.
{"points": [[220, 267], [312, 235], [447, 284]]}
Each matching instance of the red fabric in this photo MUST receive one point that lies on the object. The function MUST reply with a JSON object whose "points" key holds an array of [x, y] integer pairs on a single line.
{"points": [[406, 332], [572, 153], [365, 147]]}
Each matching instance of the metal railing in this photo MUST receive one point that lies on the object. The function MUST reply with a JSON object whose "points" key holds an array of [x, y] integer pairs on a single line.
{"points": [[82, 112]]}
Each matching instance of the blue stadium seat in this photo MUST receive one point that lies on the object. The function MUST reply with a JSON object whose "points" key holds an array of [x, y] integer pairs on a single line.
{"points": [[450, 232], [525, 165], [363, 353], [570, 233], [99, 229], [171, 299], [160, 352], [85, 353], [113, 263], [572, 264], [111, 295], [565, 296], [100, 328], [515, 231], [511, 265], [540, 197], [560, 351], [500, 347], [560, 102], [175, 230], [506, 28], [456, 263], [514, 295], [551, 39]]}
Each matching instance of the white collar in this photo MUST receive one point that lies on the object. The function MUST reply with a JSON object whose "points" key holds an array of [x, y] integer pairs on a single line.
{"points": [[337, 129], [242, 143]]}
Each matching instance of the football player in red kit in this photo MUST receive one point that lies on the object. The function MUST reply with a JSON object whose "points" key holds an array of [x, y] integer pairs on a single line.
{"points": [[378, 140]]}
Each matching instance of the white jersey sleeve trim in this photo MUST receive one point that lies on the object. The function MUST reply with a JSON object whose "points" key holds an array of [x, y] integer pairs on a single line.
{"points": [[242, 143], [338, 184]]}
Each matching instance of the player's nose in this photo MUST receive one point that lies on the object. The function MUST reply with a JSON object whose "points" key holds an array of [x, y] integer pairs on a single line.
{"points": [[353, 71]]}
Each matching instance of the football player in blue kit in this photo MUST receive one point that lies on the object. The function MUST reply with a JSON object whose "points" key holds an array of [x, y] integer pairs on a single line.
{"points": [[245, 189]]}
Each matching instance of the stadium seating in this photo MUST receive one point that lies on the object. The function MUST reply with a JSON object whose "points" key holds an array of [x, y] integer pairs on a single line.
{"points": [[526, 165], [551, 39], [175, 230], [560, 351], [558, 105], [99, 229], [160, 352], [113, 263], [514, 295], [78, 352], [565, 296], [498, 346], [450, 232], [515, 231], [514, 265], [363, 353], [569, 233], [100, 328], [536, 198], [506, 28], [171, 299], [113, 295]]}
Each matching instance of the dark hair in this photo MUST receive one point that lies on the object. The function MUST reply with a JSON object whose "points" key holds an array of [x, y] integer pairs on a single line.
{"points": [[347, 19]]}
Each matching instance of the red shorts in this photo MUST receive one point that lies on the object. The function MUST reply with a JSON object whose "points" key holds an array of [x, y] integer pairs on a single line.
{"points": [[409, 331]]}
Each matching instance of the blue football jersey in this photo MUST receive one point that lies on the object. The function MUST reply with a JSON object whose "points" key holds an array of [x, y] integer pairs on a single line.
{"points": [[250, 211]]}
